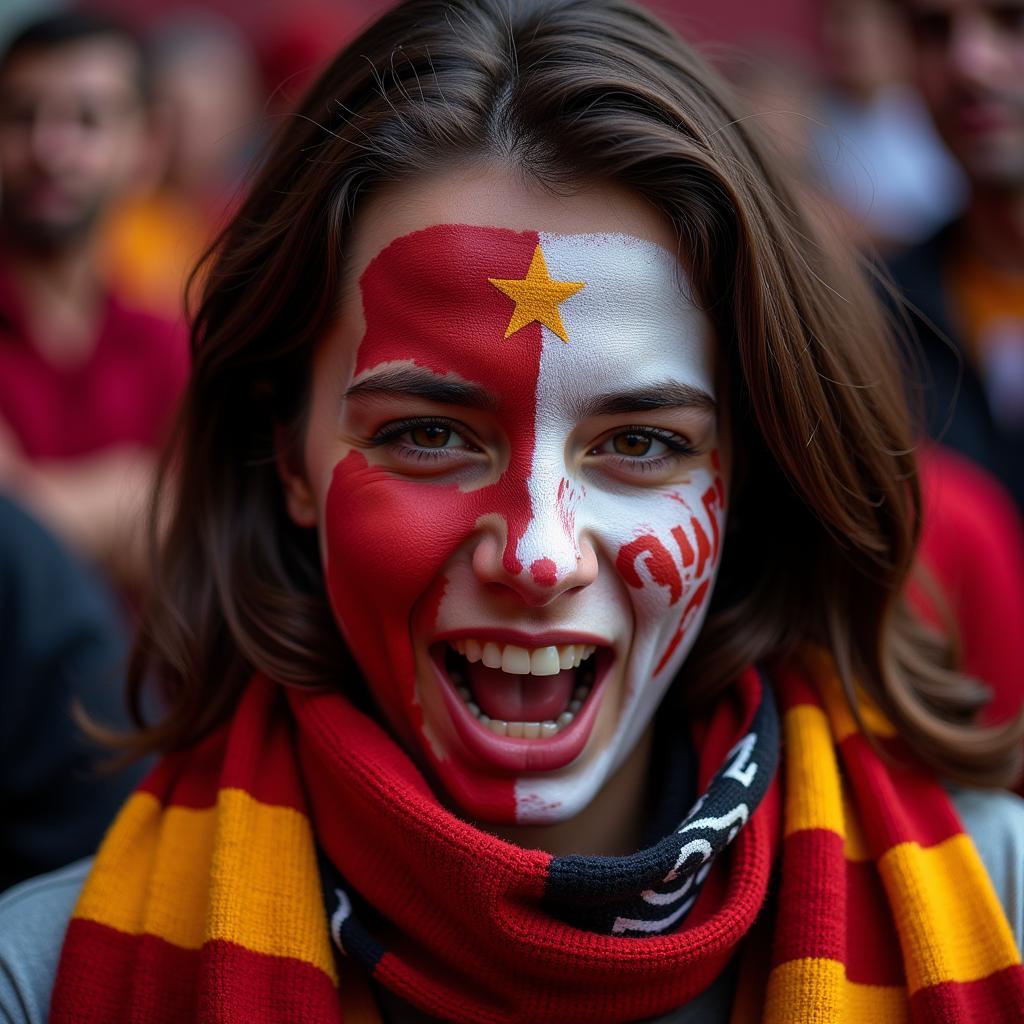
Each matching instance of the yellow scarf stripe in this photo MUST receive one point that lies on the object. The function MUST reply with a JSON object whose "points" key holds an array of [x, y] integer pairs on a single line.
{"points": [[946, 912], [815, 990], [840, 715], [949, 919], [242, 871], [814, 796]]}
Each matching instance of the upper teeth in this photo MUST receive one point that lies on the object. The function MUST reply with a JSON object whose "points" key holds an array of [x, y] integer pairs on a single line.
{"points": [[540, 661]]}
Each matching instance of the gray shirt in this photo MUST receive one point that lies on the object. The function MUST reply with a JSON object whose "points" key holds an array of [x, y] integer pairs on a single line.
{"points": [[34, 915]]}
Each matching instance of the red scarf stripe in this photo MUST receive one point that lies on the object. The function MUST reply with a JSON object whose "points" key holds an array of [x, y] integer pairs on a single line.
{"points": [[118, 965], [992, 1000], [880, 960], [910, 805], [521, 930], [240, 758], [558, 996], [192, 776], [111, 967], [834, 903], [812, 896]]}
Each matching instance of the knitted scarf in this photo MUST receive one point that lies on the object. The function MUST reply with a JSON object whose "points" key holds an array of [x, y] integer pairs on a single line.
{"points": [[270, 872]]}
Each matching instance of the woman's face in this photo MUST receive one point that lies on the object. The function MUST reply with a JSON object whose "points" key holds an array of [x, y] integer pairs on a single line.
{"points": [[515, 462]]}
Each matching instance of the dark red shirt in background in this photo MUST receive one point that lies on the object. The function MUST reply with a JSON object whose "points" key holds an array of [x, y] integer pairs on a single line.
{"points": [[972, 542], [124, 392]]}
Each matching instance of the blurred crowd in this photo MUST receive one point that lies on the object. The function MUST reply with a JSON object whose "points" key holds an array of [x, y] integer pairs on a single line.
{"points": [[122, 151]]}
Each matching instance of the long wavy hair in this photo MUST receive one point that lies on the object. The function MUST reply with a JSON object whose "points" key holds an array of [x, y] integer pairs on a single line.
{"points": [[826, 507]]}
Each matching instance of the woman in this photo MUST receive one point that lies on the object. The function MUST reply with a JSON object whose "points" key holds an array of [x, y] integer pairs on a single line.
{"points": [[517, 348]]}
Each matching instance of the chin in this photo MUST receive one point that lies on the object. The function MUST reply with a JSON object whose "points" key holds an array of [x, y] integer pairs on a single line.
{"points": [[541, 771], [541, 799]]}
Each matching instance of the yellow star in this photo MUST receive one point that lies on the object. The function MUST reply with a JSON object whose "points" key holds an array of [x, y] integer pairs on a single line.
{"points": [[537, 297]]}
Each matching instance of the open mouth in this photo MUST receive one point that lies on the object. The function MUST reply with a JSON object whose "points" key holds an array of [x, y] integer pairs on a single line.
{"points": [[522, 707], [521, 693]]}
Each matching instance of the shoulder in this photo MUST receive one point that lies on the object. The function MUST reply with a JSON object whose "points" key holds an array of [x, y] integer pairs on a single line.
{"points": [[994, 819], [33, 918]]}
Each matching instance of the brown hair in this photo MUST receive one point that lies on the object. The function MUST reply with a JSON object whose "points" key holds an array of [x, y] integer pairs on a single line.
{"points": [[824, 523]]}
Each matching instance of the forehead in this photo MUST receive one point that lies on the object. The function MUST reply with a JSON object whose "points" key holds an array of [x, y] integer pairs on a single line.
{"points": [[491, 196], [478, 301], [634, 310], [92, 69]]}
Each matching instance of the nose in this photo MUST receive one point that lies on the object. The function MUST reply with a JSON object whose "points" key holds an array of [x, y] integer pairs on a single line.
{"points": [[53, 139], [545, 563], [975, 50]]}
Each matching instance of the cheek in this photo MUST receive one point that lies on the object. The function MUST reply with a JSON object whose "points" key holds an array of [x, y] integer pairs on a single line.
{"points": [[669, 564], [385, 543]]}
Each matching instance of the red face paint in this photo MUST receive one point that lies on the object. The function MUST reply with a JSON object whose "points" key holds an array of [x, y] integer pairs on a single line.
{"points": [[427, 301]]}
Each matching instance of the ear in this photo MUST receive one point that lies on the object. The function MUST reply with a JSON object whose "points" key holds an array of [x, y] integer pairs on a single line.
{"points": [[299, 498]]}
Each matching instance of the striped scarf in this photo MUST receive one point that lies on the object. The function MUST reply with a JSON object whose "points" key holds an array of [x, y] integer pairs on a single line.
{"points": [[270, 872]]}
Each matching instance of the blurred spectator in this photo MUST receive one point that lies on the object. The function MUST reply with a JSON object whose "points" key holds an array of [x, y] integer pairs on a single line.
{"points": [[782, 90], [208, 95], [967, 281], [972, 545], [877, 153], [87, 386], [62, 645]]}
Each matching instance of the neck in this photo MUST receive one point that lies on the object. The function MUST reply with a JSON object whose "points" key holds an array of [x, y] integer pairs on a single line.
{"points": [[993, 228], [611, 825], [62, 296]]}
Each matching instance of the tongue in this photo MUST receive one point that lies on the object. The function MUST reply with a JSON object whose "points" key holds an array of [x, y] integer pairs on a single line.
{"points": [[520, 698]]}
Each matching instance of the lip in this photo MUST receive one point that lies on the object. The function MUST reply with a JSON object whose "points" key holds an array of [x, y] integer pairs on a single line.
{"points": [[550, 638], [981, 118], [516, 756]]}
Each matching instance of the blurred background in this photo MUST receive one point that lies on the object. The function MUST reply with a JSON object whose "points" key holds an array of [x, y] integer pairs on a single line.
{"points": [[126, 134], [830, 79]]}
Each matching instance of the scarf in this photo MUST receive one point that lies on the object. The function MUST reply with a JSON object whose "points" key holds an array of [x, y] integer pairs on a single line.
{"points": [[269, 872]]}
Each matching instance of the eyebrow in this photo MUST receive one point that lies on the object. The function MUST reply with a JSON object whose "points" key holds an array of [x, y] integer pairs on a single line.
{"points": [[663, 395], [421, 383]]}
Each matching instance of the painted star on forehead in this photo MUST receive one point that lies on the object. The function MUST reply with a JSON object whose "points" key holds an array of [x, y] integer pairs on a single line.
{"points": [[537, 297]]}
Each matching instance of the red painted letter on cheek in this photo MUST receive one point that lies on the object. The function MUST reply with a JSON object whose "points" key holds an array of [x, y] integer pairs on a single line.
{"points": [[658, 561], [692, 607], [711, 500]]}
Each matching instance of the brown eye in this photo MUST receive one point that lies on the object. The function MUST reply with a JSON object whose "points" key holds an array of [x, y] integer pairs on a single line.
{"points": [[430, 435], [632, 444]]}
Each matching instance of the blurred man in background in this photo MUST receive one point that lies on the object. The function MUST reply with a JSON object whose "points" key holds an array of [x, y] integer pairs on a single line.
{"points": [[87, 386], [877, 153], [208, 97], [968, 280]]}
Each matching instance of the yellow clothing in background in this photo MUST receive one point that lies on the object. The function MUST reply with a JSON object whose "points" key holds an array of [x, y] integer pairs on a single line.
{"points": [[150, 246]]}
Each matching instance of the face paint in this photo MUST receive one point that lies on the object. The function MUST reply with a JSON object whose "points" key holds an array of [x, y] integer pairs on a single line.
{"points": [[533, 536]]}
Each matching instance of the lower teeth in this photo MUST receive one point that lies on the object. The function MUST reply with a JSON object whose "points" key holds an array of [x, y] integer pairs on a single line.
{"points": [[527, 730]]}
